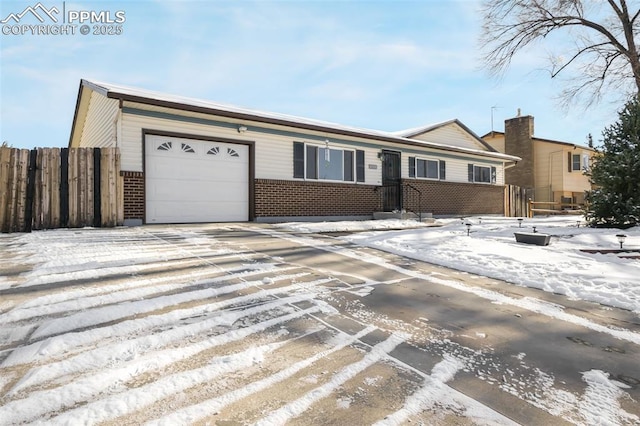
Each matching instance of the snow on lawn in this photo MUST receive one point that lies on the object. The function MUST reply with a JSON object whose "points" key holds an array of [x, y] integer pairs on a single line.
{"points": [[491, 250]]}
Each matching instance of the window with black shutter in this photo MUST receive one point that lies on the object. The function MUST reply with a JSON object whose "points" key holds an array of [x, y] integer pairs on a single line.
{"points": [[327, 163], [298, 160], [360, 166]]}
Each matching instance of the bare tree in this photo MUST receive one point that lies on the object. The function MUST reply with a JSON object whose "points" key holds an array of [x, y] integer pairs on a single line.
{"points": [[599, 51]]}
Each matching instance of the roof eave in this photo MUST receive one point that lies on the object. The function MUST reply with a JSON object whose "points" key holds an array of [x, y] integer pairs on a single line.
{"points": [[114, 94], [75, 114]]}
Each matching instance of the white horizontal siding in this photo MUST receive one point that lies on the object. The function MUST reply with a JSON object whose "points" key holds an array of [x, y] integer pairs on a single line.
{"points": [[99, 128], [273, 152], [453, 135], [457, 170], [372, 176], [133, 126], [273, 146]]}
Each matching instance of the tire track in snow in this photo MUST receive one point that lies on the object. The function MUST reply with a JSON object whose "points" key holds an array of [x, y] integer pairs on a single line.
{"points": [[63, 343], [85, 388], [195, 412], [105, 356], [126, 309], [299, 406], [132, 281], [133, 289], [527, 303], [89, 257], [435, 393], [127, 402]]}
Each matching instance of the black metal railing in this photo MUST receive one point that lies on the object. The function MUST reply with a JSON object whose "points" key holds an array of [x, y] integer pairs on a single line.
{"points": [[399, 197], [412, 200]]}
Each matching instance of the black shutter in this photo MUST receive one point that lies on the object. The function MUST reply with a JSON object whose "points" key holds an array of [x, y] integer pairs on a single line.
{"points": [[312, 162], [443, 170], [569, 162], [493, 174], [412, 166], [360, 166], [348, 166], [470, 168], [298, 160]]}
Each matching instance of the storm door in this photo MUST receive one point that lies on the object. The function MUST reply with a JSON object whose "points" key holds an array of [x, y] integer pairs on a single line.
{"points": [[391, 181]]}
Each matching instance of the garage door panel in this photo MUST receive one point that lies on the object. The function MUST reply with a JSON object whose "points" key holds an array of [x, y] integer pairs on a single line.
{"points": [[168, 168], [193, 212], [208, 191], [195, 181], [212, 175]]}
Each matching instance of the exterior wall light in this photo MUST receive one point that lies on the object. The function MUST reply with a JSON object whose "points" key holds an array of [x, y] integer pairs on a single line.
{"points": [[621, 238], [242, 129]]}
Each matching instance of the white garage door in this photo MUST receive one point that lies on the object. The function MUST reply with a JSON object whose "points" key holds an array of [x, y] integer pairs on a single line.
{"points": [[195, 181]]}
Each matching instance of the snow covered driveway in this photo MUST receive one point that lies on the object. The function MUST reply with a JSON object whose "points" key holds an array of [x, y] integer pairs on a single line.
{"points": [[248, 324]]}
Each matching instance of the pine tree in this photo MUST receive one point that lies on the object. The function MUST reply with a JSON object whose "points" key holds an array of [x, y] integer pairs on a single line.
{"points": [[615, 174]]}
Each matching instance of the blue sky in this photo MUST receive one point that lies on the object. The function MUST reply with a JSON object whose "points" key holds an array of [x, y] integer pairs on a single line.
{"points": [[383, 65]]}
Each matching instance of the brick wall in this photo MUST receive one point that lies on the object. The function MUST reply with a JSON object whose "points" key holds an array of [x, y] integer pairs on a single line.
{"points": [[298, 198], [133, 195], [518, 133], [452, 198]]}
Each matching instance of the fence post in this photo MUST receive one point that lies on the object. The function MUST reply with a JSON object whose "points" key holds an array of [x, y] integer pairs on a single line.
{"points": [[97, 213], [64, 187], [5, 170], [31, 189]]}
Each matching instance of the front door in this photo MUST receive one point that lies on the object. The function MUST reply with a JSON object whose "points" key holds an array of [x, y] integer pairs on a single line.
{"points": [[391, 181]]}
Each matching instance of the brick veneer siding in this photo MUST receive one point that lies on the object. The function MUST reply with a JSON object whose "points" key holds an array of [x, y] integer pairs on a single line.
{"points": [[452, 198], [275, 198], [133, 195], [518, 133], [303, 198]]}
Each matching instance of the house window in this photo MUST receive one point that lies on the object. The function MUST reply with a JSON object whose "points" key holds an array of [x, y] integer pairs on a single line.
{"points": [[323, 163], [426, 168], [482, 174], [331, 164], [578, 162], [575, 162]]}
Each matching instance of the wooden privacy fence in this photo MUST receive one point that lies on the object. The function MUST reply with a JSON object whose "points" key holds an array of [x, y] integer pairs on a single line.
{"points": [[552, 207], [516, 201], [48, 188]]}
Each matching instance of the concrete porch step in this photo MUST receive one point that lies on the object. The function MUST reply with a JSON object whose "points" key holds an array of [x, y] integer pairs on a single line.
{"points": [[404, 215]]}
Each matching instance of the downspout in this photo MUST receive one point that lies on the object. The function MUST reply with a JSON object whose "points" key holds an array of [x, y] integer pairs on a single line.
{"points": [[118, 124], [551, 173], [117, 121]]}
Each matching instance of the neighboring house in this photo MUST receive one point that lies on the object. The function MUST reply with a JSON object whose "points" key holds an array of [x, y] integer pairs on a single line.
{"points": [[187, 160], [553, 171]]}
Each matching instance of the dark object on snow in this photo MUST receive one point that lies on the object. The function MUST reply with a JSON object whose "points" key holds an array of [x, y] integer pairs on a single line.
{"points": [[533, 238]]}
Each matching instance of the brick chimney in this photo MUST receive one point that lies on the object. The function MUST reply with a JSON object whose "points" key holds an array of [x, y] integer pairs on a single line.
{"points": [[518, 134]]}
